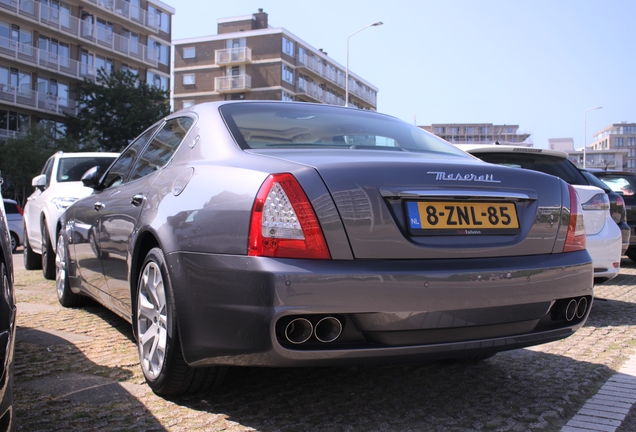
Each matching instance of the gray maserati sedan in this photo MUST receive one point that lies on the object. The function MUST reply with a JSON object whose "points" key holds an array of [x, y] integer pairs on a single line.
{"points": [[259, 233]]}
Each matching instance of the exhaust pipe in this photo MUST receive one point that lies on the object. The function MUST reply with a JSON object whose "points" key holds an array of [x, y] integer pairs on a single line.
{"points": [[328, 329], [581, 307], [571, 309], [298, 331]]}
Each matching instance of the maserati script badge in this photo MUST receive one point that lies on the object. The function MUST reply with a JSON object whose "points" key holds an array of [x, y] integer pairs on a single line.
{"points": [[486, 178]]}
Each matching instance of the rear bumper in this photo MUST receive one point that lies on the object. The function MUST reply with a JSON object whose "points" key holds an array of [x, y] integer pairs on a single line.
{"points": [[606, 249], [232, 310]]}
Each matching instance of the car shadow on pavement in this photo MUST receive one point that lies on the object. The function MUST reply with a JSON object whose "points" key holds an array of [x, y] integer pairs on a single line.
{"points": [[517, 390], [59, 388]]}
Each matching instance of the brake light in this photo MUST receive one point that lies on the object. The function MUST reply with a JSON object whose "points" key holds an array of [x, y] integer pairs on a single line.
{"points": [[599, 201], [283, 223], [575, 238], [20, 209], [621, 213]]}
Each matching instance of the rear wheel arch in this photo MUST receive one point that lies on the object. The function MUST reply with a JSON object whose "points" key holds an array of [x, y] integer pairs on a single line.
{"points": [[145, 243]]}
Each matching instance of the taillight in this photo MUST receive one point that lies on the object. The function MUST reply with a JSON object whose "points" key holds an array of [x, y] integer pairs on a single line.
{"points": [[283, 223], [20, 209], [599, 201], [575, 238], [620, 215]]}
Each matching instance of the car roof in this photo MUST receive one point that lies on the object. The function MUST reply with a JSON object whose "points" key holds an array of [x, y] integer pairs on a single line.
{"points": [[499, 148]]}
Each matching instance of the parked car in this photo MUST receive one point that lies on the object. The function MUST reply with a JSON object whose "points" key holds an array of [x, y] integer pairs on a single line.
{"points": [[624, 184], [7, 326], [295, 234], [16, 222], [58, 186], [604, 237], [618, 209]]}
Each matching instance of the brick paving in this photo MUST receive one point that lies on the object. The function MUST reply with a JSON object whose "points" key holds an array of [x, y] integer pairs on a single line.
{"points": [[77, 369]]}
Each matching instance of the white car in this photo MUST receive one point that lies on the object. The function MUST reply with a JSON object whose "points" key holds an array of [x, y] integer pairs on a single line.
{"points": [[57, 187], [604, 238]]}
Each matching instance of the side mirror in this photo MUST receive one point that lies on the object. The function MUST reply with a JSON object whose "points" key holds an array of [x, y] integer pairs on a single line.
{"points": [[39, 182], [91, 178]]}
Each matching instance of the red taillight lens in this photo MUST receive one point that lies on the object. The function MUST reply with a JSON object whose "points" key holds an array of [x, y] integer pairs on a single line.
{"points": [[575, 238], [283, 223], [20, 209]]}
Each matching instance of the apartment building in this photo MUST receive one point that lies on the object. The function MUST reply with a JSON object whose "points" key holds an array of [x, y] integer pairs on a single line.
{"points": [[479, 133], [247, 59], [616, 137], [48, 46]]}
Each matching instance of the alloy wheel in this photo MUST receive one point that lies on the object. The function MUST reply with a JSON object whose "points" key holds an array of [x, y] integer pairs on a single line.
{"points": [[152, 319]]}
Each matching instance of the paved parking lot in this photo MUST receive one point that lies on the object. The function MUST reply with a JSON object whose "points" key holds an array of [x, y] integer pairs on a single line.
{"points": [[77, 369]]}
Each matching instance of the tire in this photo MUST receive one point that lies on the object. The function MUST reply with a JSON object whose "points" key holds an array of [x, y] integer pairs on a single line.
{"points": [[48, 254], [15, 242], [32, 260], [631, 254], [65, 296], [158, 343]]}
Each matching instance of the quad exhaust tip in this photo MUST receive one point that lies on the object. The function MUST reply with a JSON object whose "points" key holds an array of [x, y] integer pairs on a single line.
{"points": [[300, 330]]}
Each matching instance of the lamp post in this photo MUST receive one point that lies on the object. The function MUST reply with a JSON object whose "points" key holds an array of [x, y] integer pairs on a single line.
{"points": [[585, 135], [379, 23]]}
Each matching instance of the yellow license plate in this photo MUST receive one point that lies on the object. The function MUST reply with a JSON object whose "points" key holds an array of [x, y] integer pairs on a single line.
{"points": [[462, 216]]}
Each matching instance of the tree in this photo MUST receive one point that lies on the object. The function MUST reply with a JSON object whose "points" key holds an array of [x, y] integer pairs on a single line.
{"points": [[114, 109], [22, 158]]}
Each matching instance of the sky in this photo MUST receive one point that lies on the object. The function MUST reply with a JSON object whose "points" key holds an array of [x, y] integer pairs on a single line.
{"points": [[538, 64]]}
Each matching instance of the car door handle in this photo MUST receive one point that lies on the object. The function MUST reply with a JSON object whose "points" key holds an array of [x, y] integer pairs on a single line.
{"points": [[98, 206], [137, 200]]}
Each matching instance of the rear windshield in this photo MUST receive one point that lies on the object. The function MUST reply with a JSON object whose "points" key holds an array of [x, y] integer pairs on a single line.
{"points": [[622, 184], [73, 168], [555, 166], [10, 207], [309, 126]]}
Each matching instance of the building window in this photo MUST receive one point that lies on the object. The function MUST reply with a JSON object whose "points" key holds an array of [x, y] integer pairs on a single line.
{"points": [[631, 163], [631, 142], [161, 19], [288, 47], [288, 74], [161, 52], [187, 104], [133, 70], [453, 130], [629, 130], [287, 97], [188, 79], [189, 52], [160, 81], [484, 130], [104, 63], [470, 130], [14, 122], [439, 130], [618, 142]]}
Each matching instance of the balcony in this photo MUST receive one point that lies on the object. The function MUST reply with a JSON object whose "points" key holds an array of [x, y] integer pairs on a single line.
{"points": [[233, 84], [32, 99], [131, 13], [233, 56], [26, 54], [84, 30]]}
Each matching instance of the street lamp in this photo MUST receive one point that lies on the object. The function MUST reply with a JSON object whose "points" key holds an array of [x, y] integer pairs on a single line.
{"points": [[585, 135], [379, 23]]}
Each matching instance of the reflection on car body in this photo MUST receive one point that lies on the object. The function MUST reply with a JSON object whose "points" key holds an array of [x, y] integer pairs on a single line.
{"points": [[285, 234]]}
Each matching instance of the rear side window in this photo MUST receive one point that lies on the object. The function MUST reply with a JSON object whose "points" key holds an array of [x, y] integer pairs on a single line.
{"points": [[561, 168], [117, 173], [10, 207]]}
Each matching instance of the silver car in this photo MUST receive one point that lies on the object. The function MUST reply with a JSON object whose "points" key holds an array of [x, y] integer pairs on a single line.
{"points": [[292, 234]]}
